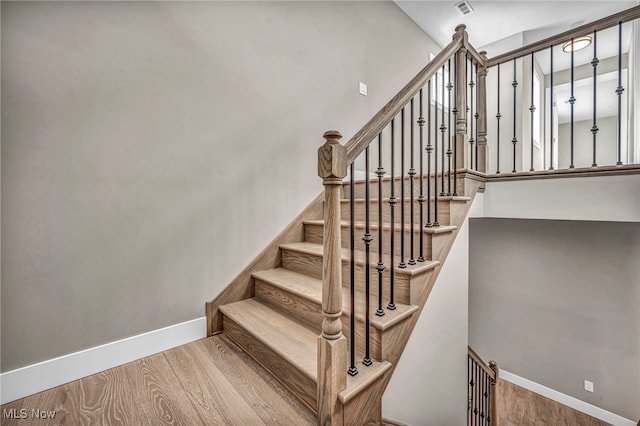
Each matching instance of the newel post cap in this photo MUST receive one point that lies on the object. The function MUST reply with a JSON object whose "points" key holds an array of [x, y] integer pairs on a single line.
{"points": [[332, 136], [332, 157]]}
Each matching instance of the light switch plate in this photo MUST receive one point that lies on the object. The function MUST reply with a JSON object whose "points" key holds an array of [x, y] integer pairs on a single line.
{"points": [[588, 386], [363, 89]]}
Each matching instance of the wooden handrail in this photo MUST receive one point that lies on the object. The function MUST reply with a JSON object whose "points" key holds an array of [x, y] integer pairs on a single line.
{"points": [[586, 29], [490, 371], [356, 145], [477, 56]]}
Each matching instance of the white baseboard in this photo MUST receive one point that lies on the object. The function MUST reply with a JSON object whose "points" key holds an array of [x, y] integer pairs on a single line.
{"points": [[569, 401], [25, 381]]}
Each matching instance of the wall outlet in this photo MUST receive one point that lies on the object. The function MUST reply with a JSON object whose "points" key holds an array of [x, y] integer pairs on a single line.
{"points": [[588, 386], [363, 89]]}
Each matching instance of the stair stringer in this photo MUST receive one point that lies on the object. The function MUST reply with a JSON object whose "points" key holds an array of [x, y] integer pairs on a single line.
{"points": [[242, 286]]}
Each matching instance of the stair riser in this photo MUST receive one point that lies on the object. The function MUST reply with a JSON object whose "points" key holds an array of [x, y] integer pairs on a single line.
{"points": [[360, 212], [304, 388], [312, 265], [301, 308], [359, 187], [433, 243]]}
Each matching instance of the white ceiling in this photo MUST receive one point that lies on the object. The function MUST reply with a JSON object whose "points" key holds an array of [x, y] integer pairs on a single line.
{"points": [[499, 26]]}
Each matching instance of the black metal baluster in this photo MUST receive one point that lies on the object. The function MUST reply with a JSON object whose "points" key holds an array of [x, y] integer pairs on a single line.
{"points": [[488, 400], [498, 117], [443, 129], [572, 101], [619, 91], [471, 134], [454, 165], [477, 117], [476, 378], [476, 397], [594, 64], [421, 196], [481, 392], [449, 152], [352, 271], [412, 173], [532, 108], [429, 149], [380, 265], [485, 406], [551, 104], [514, 141], [392, 204], [401, 264], [367, 278], [435, 158], [469, 391], [473, 384]]}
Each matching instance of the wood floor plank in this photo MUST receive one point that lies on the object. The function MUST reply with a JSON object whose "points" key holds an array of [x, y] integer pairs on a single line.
{"points": [[208, 389], [11, 412], [270, 400], [62, 400], [158, 395], [151, 391], [103, 398]]}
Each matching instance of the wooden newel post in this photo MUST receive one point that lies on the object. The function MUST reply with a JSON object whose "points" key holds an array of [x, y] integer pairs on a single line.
{"points": [[483, 151], [461, 101], [494, 395], [332, 345]]}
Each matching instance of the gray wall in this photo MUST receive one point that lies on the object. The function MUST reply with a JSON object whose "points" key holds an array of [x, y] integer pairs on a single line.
{"points": [[151, 149], [558, 302], [437, 351]]}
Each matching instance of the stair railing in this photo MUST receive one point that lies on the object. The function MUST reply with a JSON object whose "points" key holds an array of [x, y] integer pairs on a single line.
{"points": [[481, 409], [449, 96], [551, 121], [457, 69]]}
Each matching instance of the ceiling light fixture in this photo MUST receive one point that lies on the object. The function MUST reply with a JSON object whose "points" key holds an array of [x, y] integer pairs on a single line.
{"points": [[576, 44]]}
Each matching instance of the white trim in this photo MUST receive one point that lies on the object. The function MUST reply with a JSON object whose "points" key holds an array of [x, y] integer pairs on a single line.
{"points": [[569, 401], [25, 381]]}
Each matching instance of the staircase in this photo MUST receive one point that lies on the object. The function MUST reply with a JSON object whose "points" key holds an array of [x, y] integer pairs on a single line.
{"points": [[329, 306], [279, 326]]}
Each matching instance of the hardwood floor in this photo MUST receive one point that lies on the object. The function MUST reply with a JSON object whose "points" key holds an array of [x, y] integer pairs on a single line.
{"points": [[207, 382], [517, 406]]}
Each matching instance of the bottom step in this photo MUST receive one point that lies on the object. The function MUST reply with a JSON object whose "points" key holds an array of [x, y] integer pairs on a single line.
{"points": [[288, 350]]}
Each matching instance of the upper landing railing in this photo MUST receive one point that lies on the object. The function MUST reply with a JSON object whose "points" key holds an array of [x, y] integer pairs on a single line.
{"points": [[568, 99], [421, 144]]}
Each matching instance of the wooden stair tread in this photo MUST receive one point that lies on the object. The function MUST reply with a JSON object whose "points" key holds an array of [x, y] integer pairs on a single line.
{"points": [[361, 381], [291, 340], [311, 289], [300, 284], [317, 250], [386, 226]]}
